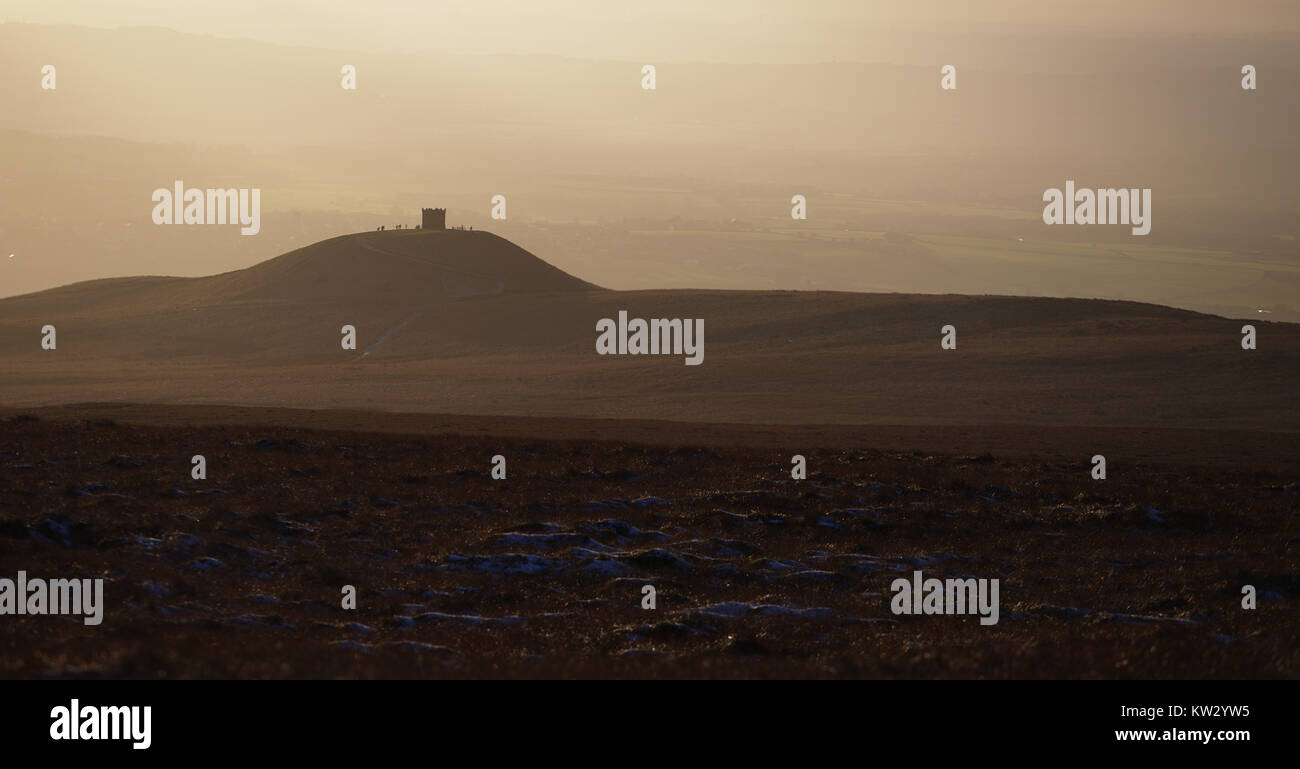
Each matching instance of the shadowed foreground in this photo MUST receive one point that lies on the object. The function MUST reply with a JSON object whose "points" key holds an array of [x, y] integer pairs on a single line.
{"points": [[541, 574]]}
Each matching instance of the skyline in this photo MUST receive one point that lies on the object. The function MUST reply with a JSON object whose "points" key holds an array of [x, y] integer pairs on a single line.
{"points": [[672, 30], [910, 186]]}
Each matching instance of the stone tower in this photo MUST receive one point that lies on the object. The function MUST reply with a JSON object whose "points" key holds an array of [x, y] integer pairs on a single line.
{"points": [[433, 219]]}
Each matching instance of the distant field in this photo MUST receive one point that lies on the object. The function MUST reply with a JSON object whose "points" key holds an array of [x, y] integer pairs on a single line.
{"points": [[804, 255], [1198, 279]]}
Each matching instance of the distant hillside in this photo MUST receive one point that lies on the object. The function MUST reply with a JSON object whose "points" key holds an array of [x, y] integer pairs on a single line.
{"points": [[466, 322], [408, 263], [289, 308], [420, 264]]}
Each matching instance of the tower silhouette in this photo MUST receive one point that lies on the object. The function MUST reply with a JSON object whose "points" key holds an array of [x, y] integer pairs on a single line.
{"points": [[433, 219]]}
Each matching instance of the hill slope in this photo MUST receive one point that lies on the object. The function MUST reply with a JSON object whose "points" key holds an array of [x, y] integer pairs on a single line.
{"points": [[272, 310], [466, 322]]}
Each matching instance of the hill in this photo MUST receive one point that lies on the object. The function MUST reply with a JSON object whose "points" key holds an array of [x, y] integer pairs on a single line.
{"points": [[466, 322], [372, 281]]}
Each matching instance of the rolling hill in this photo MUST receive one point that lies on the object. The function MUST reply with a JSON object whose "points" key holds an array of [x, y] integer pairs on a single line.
{"points": [[466, 322]]}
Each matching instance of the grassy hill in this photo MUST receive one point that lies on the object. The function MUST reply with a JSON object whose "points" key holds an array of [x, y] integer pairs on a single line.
{"points": [[466, 322]]}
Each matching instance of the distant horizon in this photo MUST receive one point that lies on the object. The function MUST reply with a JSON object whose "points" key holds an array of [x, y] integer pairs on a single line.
{"points": [[593, 285], [1013, 32], [909, 187], [676, 30]]}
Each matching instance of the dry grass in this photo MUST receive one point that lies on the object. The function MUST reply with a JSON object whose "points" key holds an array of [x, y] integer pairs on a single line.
{"points": [[1092, 584]]}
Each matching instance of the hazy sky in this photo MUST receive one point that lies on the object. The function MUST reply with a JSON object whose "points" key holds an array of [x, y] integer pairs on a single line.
{"points": [[702, 30], [748, 111]]}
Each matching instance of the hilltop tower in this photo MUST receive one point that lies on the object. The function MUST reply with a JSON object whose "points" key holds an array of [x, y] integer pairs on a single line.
{"points": [[433, 219]]}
